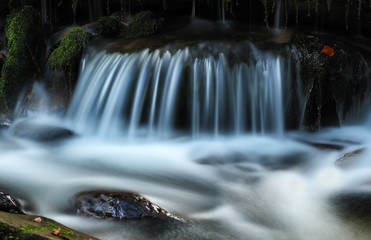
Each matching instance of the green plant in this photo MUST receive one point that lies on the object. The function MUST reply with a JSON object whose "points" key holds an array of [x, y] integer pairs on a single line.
{"points": [[142, 24], [108, 26], [23, 33], [66, 58]]}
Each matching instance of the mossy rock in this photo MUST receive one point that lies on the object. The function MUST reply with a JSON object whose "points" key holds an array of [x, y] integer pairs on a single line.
{"points": [[142, 24], [24, 40], [66, 58], [109, 26], [23, 227]]}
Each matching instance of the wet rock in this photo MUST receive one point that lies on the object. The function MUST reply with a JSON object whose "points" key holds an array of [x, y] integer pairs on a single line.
{"points": [[117, 206], [252, 163], [41, 132], [223, 159], [349, 158], [5, 120], [335, 86], [355, 205], [9, 204], [323, 145]]}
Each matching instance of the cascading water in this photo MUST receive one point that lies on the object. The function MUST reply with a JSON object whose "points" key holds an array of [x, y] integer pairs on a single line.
{"points": [[277, 26], [160, 93]]}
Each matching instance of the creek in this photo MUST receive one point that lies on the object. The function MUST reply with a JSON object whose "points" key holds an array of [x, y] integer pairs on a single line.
{"points": [[199, 130]]}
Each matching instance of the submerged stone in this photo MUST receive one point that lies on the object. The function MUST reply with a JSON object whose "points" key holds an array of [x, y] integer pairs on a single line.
{"points": [[41, 132], [353, 205], [9, 204], [349, 158], [117, 206]]}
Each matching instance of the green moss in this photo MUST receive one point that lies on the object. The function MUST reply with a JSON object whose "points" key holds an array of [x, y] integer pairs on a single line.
{"points": [[142, 24], [23, 33], [50, 227], [66, 58], [8, 232], [53, 227], [32, 228], [108, 26]]}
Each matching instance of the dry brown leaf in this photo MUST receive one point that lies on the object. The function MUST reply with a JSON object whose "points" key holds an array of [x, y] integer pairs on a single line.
{"points": [[328, 51], [37, 220], [57, 232]]}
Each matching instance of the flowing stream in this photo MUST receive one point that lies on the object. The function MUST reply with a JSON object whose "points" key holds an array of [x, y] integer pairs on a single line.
{"points": [[201, 133], [157, 94]]}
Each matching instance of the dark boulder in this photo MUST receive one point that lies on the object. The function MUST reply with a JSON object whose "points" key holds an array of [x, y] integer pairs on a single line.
{"points": [[5, 118], [9, 204], [334, 87], [42, 132], [117, 206], [352, 205]]}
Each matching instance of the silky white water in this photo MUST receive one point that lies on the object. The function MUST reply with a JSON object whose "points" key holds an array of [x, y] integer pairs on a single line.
{"points": [[161, 93], [229, 169]]}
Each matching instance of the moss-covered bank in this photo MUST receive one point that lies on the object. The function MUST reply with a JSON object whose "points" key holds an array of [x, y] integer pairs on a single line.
{"points": [[23, 227], [24, 36]]}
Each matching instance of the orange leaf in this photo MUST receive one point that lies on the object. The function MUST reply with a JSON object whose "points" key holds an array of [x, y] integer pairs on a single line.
{"points": [[57, 232], [37, 220], [328, 51]]}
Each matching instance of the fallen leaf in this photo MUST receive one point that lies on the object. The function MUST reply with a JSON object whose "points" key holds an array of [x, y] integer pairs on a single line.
{"points": [[328, 51], [57, 232], [37, 220]]}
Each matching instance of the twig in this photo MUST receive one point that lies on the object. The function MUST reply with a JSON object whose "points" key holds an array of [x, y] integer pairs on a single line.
{"points": [[47, 82]]}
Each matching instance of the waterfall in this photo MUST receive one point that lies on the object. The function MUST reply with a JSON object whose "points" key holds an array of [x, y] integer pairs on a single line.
{"points": [[221, 11], [192, 91], [44, 14], [193, 14], [278, 17]]}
